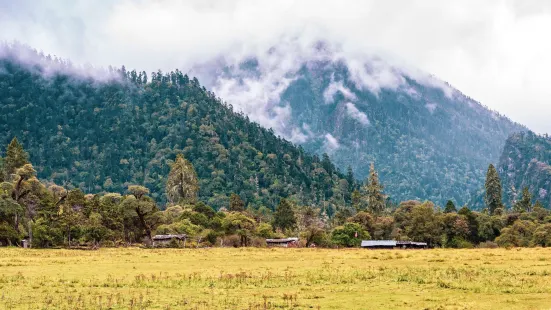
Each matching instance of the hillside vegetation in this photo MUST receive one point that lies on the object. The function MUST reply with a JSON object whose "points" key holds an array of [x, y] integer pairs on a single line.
{"points": [[526, 163], [102, 135]]}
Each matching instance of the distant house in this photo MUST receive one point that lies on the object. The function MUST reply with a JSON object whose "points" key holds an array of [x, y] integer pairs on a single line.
{"points": [[412, 245], [379, 244], [284, 243], [393, 244], [164, 240]]}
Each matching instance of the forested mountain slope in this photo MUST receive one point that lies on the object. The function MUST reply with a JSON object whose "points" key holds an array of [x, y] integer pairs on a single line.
{"points": [[428, 140], [526, 162], [101, 135]]}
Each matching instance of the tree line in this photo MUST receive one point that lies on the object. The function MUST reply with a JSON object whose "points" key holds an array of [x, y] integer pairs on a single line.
{"points": [[49, 215]]}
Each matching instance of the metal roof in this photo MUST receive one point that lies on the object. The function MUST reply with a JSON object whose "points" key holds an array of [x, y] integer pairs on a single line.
{"points": [[369, 243], [411, 243], [168, 237], [286, 240]]}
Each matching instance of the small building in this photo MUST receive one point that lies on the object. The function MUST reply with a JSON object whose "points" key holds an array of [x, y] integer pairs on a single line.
{"points": [[379, 244], [165, 240], [393, 244], [411, 245], [284, 243]]}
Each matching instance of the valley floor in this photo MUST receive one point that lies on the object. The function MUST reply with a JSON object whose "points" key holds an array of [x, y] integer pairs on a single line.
{"points": [[250, 278]]}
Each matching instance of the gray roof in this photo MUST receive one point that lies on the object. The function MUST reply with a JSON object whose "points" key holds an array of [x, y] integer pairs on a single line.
{"points": [[370, 243], [411, 243], [419, 243], [285, 240], [168, 237]]}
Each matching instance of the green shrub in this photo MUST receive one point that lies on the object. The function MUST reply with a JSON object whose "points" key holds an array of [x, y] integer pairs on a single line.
{"points": [[349, 235]]}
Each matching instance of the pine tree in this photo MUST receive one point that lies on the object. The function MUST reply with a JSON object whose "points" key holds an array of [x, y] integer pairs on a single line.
{"points": [[356, 198], [182, 185], [284, 216], [327, 164], [450, 207], [375, 197], [525, 202], [236, 204], [493, 190], [16, 157], [350, 179]]}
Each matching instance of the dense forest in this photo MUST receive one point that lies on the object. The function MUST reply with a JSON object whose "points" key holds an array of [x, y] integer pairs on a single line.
{"points": [[100, 136], [50, 215], [526, 163]]}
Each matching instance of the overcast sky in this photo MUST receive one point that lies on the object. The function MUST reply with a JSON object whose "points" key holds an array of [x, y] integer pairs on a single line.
{"points": [[497, 52]]}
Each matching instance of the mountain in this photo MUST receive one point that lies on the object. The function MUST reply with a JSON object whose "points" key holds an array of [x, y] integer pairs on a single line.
{"points": [[103, 132], [526, 162], [428, 140]]}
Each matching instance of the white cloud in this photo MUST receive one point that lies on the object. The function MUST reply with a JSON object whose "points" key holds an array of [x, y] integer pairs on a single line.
{"points": [[30, 58], [330, 144], [495, 51], [431, 107], [334, 88], [373, 74], [356, 114]]}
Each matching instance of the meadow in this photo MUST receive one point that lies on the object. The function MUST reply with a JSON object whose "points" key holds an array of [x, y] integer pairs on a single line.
{"points": [[253, 278]]}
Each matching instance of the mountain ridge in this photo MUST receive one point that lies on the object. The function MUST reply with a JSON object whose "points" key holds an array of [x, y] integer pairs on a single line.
{"points": [[363, 110]]}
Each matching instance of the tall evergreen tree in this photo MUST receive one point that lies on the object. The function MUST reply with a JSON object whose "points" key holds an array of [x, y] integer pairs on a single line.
{"points": [[236, 204], [350, 179], [16, 157], [327, 164], [375, 196], [182, 185], [356, 199], [493, 190], [284, 217], [450, 207], [525, 202]]}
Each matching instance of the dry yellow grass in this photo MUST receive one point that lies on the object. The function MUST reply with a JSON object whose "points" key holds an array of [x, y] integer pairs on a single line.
{"points": [[252, 278]]}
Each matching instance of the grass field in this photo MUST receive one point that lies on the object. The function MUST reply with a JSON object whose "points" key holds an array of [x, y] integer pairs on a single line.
{"points": [[251, 278]]}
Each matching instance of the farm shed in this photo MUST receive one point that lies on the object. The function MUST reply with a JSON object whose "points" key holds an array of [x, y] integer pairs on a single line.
{"points": [[164, 240], [411, 245], [284, 243], [379, 244], [392, 244]]}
